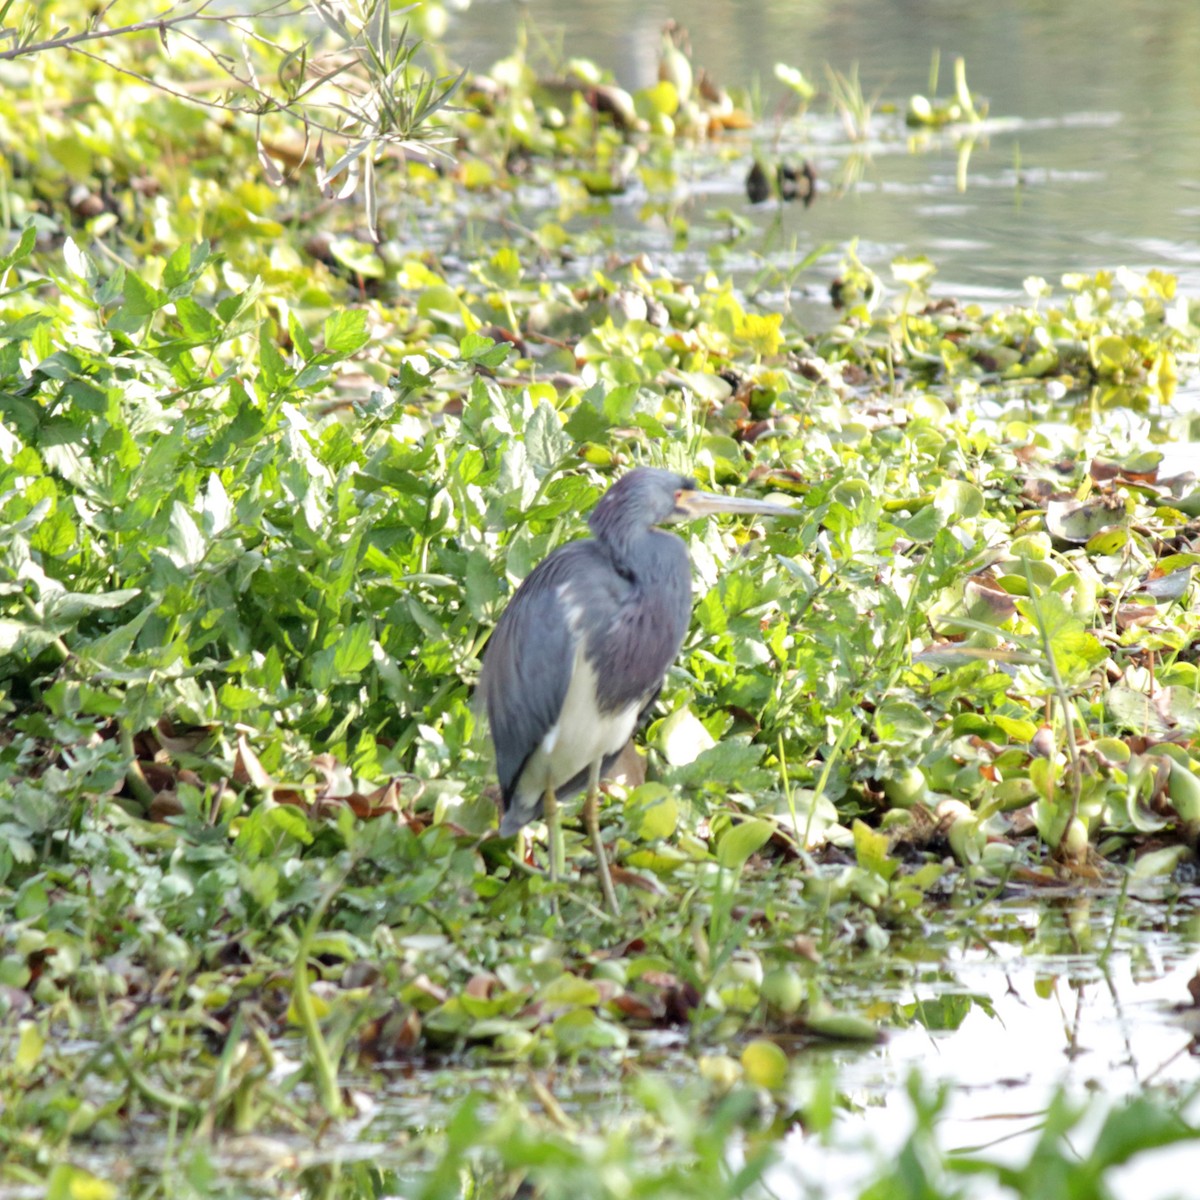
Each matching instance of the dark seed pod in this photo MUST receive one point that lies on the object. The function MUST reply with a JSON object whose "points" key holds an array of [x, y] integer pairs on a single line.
{"points": [[758, 186]]}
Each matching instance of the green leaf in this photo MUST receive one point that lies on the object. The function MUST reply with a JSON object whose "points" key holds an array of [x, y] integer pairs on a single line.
{"points": [[1018, 729], [546, 443], [239, 699], [113, 648], [1159, 863], [1077, 523], [353, 653], [476, 348], [655, 810], [683, 738], [300, 338], [871, 850], [197, 322], [55, 535], [187, 544], [112, 289], [741, 840], [925, 525], [270, 361], [584, 1029], [346, 331], [902, 723], [840, 1026], [482, 584], [291, 821], [1145, 1123], [570, 991], [141, 302], [588, 422], [22, 250], [181, 268], [957, 500], [22, 329], [72, 605], [358, 256], [79, 262], [733, 760], [30, 1045]]}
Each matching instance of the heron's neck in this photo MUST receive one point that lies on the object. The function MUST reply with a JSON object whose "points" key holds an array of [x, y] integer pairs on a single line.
{"points": [[648, 556]]}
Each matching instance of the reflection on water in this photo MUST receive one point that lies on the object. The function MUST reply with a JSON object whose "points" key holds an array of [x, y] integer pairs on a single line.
{"points": [[1092, 158], [1034, 1006]]}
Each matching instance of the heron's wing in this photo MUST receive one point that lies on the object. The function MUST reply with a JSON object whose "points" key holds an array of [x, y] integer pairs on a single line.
{"points": [[530, 657]]}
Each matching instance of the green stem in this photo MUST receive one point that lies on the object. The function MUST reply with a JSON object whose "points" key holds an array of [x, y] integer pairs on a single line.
{"points": [[150, 1092], [1064, 700], [324, 1065]]}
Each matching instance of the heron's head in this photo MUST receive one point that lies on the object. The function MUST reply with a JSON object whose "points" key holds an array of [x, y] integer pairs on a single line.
{"points": [[643, 497], [649, 496]]}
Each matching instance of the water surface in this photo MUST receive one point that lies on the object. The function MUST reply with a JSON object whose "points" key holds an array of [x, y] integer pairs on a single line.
{"points": [[1090, 159]]}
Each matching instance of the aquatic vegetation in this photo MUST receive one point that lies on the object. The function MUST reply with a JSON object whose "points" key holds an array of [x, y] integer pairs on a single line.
{"points": [[265, 488], [962, 107]]}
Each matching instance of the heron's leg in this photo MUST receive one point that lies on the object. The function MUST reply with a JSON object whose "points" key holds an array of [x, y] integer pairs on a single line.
{"points": [[554, 832], [591, 818]]}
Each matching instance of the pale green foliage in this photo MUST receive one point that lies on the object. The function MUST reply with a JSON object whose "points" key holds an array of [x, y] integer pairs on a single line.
{"points": [[262, 499]]}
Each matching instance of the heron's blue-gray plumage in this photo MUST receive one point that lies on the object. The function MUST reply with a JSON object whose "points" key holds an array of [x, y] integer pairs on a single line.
{"points": [[619, 604]]}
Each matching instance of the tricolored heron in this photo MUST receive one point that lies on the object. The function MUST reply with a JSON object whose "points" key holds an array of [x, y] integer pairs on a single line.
{"points": [[581, 651]]}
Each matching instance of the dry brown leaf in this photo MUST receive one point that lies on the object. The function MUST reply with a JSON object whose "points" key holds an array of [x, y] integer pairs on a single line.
{"points": [[165, 804], [805, 947], [640, 1007], [179, 741], [481, 985], [434, 991], [645, 883], [1129, 615]]}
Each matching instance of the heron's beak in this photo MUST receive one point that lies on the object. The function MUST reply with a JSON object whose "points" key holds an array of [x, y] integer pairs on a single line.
{"points": [[702, 504]]}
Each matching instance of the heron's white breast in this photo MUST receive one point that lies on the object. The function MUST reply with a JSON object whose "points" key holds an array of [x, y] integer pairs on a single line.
{"points": [[581, 736]]}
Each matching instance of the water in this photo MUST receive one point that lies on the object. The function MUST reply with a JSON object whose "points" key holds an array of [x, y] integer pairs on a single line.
{"points": [[1090, 158], [1044, 1008]]}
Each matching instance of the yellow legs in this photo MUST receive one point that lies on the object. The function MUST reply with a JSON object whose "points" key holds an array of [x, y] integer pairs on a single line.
{"points": [[591, 819], [554, 832]]}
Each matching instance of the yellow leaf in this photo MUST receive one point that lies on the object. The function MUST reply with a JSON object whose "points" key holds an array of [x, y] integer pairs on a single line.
{"points": [[719, 1069], [760, 332], [73, 1183], [765, 1064], [659, 817], [87, 1187], [30, 1044], [320, 1008]]}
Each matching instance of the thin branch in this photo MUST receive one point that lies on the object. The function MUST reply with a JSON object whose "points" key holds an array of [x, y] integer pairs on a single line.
{"points": [[187, 97], [159, 25], [392, 108]]}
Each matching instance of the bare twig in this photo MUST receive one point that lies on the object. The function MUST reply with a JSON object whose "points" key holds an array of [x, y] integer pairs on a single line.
{"points": [[381, 100], [65, 40]]}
